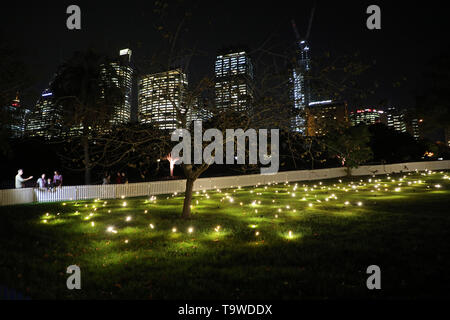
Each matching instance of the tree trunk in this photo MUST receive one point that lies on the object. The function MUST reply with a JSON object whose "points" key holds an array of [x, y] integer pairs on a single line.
{"points": [[87, 164], [349, 171], [188, 198]]}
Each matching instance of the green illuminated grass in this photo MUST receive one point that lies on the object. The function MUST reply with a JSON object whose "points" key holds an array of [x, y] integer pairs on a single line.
{"points": [[282, 246]]}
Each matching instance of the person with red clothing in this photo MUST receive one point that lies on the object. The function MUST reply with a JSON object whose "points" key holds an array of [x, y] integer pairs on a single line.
{"points": [[119, 178]]}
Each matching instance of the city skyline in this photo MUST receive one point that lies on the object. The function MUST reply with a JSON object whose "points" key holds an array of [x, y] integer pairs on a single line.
{"points": [[389, 46]]}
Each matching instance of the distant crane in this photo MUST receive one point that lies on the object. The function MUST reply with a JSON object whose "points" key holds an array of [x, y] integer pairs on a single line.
{"points": [[308, 30]]}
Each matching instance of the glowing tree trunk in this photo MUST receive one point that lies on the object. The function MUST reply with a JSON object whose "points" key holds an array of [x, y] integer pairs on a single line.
{"points": [[171, 162]]}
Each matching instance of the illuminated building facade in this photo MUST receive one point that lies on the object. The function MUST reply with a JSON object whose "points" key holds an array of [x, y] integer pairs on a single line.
{"points": [[300, 86], [124, 80], [396, 119], [414, 128], [367, 116], [234, 81], [16, 118], [159, 97], [323, 115], [46, 119]]}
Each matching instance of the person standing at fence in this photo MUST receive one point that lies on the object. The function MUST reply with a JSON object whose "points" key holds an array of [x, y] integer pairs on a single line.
{"points": [[57, 179], [124, 178], [20, 182], [107, 179], [118, 178], [41, 182], [49, 184]]}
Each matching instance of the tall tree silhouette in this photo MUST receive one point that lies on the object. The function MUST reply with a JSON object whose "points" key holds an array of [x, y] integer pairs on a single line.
{"points": [[85, 91]]}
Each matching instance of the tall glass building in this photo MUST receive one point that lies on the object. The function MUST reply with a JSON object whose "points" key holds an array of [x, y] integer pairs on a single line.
{"points": [[124, 80], [16, 118], [300, 86], [160, 95], [396, 119], [234, 81], [46, 118]]}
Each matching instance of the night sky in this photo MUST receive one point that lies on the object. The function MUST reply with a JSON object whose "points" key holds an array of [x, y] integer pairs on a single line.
{"points": [[410, 35]]}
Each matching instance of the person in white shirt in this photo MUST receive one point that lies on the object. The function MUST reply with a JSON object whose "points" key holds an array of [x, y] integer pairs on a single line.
{"points": [[41, 181], [20, 182]]}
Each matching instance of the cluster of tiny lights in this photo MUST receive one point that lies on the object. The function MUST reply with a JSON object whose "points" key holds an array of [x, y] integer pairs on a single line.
{"points": [[299, 196]]}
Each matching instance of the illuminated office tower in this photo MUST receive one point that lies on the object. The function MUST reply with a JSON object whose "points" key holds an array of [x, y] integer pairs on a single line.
{"points": [[46, 118], [367, 116], [396, 119], [160, 96], [124, 80], [199, 112], [300, 86], [322, 116], [15, 116], [234, 81], [414, 128]]}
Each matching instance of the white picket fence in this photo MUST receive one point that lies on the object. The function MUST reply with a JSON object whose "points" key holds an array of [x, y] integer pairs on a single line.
{"points": [[29, 195]]}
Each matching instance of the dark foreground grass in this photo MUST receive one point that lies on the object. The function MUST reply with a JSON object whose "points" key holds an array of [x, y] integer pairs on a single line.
{"points": [[276, 242]]}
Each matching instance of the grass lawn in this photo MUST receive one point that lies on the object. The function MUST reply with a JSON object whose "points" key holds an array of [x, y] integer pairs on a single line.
{"points": [[286, 241]]}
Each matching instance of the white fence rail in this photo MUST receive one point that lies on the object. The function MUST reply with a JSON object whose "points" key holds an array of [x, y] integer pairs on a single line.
{"points": [[29, 195]]}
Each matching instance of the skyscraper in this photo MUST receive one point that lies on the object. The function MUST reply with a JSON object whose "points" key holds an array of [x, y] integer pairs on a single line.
{"points": [[159, 97], [300, 85], [324, 115], [234, 81], [301, 91], [367, 116], [414, 128], [396, 119], [124, 80], [16, 117], [46, 119]]}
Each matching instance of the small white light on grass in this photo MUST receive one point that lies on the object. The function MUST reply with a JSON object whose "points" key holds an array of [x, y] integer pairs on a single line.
{"points": [[174, 230], [290, 234], [92, 223], [152, 226], [360, 203], [190, 230], [124, 204]]}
